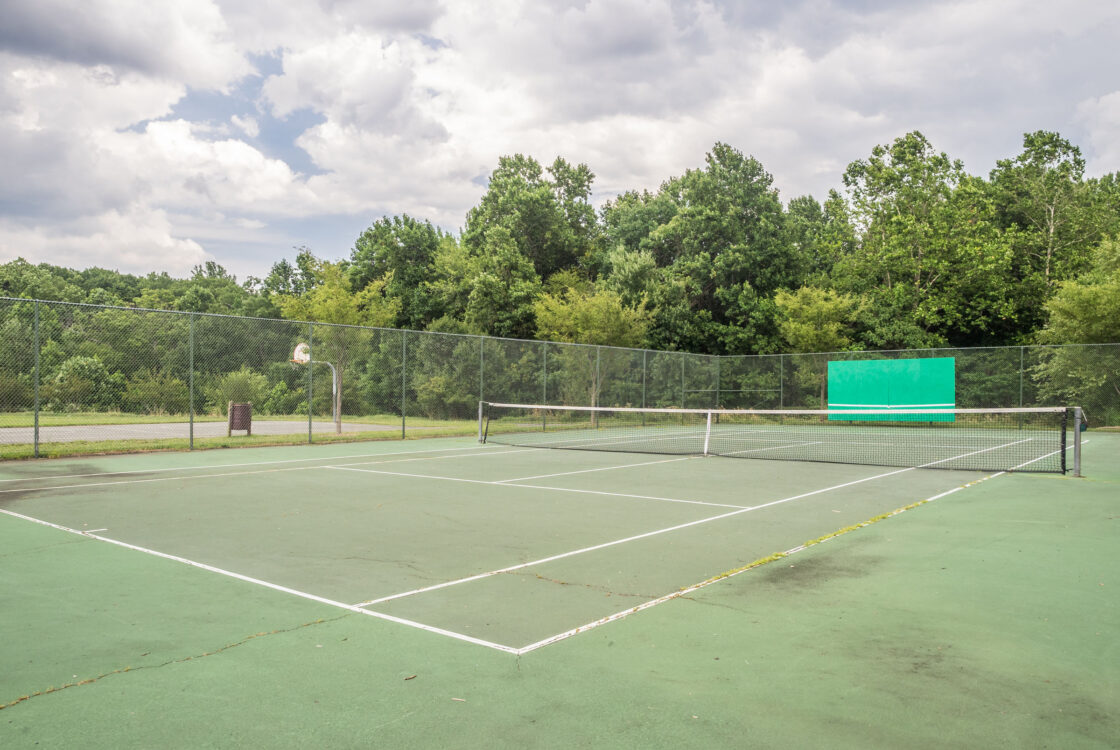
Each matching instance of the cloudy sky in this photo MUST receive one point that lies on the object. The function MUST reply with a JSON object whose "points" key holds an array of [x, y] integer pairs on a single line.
{"points": [[147, 135]]}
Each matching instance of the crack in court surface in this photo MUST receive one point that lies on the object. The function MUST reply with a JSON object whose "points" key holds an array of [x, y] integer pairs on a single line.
{"points": [[169, 662]]}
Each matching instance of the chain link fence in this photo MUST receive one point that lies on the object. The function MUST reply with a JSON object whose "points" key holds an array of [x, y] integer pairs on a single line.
{"points": [[78, 378]]}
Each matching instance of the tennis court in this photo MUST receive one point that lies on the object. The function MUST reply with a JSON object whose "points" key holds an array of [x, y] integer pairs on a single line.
{"points": [[496, 548]]}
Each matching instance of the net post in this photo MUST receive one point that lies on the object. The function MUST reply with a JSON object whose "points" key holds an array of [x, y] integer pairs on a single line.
{"points": [[707, 433], [1077, 420], [480, 421]]}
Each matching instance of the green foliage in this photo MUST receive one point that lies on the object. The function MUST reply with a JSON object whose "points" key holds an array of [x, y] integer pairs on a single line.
{"points": [[491, 289], [283, 400], [1087, 311], [84, 383], [332, 300], [154, 392], [597, 318], [400, 249], [550, 219], [915, 253], [817, 320], [16, 392], [241, 386]]}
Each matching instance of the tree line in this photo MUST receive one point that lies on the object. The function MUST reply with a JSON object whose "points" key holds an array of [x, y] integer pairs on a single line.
{"points": [[912, 252]]}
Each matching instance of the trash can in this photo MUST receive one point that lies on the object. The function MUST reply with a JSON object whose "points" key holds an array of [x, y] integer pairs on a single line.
{"points": [[240, 418]]}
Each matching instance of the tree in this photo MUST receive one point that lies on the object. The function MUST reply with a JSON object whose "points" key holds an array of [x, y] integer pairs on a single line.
{"points": [[1041, 194], [18, 278], [598, 318], [723, 249], [405, 249], [550, 218], [285, 278], [503, 288], [817, 320], [1085, 311], [930, 258], [492, 288]]}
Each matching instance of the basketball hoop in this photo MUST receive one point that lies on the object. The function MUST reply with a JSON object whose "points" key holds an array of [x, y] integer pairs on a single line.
{"points": [[302, 356]]}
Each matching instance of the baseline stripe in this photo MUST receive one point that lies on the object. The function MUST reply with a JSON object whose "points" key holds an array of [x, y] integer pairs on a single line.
{"points": [[266, 584], [250, 463]]}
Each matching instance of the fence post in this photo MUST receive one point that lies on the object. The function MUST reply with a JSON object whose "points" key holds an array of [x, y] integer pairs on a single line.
{"points": [[481, 366], [1021, 348], [719, 371], [781, 381], [36, 439], [683, 355], [310, 381], [190, 363], [544, 375], [404, 371], [645, 353], [598, 377]]}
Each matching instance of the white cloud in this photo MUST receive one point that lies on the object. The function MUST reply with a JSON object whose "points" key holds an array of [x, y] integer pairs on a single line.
{"points": [[1101, 117], [183, 40], [411, 104], [134, 240], [247, 125]]}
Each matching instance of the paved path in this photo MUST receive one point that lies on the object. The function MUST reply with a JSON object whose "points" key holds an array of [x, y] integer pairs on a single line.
{"points": [[10, 435]]}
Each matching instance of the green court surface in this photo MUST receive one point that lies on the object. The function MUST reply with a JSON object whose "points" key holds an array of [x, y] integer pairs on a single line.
{"points": [[439, 593]]}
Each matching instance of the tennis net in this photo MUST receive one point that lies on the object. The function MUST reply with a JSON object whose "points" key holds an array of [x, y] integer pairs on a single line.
{"points": [[1035, 439]]}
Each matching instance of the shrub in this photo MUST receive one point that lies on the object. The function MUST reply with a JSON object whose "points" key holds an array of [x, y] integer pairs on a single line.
{"points": [[240, 386], [153, 392], [84, 383]]}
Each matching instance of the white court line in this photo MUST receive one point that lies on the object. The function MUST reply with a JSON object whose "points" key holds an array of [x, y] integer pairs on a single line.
{"points": [[1051, 453], [601, 468], [266, 584], [251, 463], [664, 433], [771, 448], [441, 631], [241, 473], [695, 587], [527, 486], [615, 542], [620, 494], [647, 534]]}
